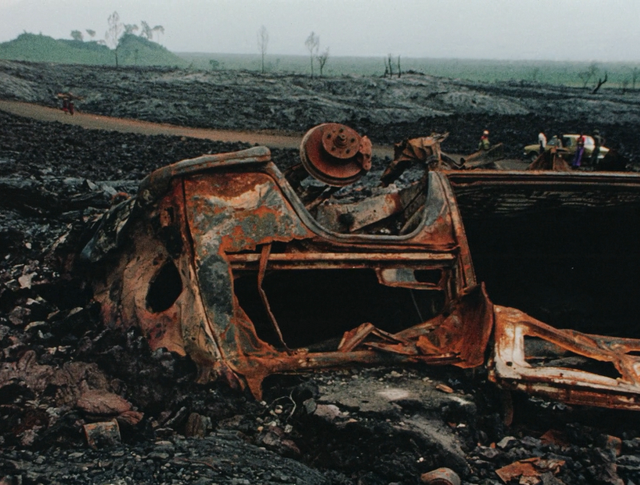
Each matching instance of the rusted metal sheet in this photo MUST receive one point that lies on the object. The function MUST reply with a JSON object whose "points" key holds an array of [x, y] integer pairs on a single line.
{"points": [[551, 160], [425, 150], [530, 470], [218, 258], [440, 476], [583, 369], [483, 158]]}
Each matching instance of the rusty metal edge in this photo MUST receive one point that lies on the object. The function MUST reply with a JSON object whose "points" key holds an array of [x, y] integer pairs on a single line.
{"points": [[501, 177]]}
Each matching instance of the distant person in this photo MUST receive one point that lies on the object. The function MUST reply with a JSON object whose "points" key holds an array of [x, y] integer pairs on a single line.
{"points": [[577, 157], [542, 141], [598, 142], [71, 107], [484, 144], [555, 142]]}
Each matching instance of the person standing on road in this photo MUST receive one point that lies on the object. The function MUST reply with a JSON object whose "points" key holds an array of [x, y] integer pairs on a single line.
{"points": [[484, 144], [577, 157], [598, 141], [542, 141]]}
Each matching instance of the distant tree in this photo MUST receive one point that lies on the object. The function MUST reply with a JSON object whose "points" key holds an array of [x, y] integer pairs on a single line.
{"points": [[399, 70], [322, 59], [586, 75], [159, 29], [599, 83], [113, 34], [130, 29], [145, 30], [634, 77], [625, 85], [263, 42], [76, 35], [214, 64], [312, 44], [389, 65], [92, 33]]}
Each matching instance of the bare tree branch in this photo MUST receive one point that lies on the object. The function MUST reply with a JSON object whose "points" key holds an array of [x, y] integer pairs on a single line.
{"points": [[263, 42], [322, 59], [312, 44]]}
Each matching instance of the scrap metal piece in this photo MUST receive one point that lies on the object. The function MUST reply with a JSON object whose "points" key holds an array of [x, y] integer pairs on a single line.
{"points": [[553, 159], [530, 470], [264, 259], [357, 336], [354, 216], [441, 476], [425, 150], [482, 158], [603, 371], [335, 154]]}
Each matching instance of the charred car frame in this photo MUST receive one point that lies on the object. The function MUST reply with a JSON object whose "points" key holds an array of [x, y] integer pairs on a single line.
{"points": [[251, 272]]}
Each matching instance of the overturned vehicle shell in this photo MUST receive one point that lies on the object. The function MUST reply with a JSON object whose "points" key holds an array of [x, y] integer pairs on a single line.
{"points": [[219, 258]]}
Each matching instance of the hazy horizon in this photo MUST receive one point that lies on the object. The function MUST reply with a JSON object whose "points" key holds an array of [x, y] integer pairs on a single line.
{"points": [[523, 30]]}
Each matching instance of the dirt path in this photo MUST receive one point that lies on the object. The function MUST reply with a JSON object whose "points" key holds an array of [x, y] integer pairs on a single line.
{"points": [[123, 125]]}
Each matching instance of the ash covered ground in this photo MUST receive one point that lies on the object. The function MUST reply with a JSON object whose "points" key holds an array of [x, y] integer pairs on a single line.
{"points": [[62, 369]]}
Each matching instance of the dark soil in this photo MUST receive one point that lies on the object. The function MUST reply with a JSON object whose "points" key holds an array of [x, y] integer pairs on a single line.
{"points": [[58, 179]]}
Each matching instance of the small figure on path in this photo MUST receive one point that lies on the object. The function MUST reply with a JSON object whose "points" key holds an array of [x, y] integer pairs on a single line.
{"points": [[599, 141], [577, 157], [542, 141], [484, 144]]}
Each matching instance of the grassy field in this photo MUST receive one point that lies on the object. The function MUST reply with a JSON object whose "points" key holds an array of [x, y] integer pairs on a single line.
{"points": [[133, 50], [565, 73]]}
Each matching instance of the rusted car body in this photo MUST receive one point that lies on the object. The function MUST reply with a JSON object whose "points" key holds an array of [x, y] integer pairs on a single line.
{"points": [[220, 258]]}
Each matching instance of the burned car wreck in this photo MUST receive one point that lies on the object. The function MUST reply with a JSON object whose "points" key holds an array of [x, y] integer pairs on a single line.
{"points": [[252, 271]]}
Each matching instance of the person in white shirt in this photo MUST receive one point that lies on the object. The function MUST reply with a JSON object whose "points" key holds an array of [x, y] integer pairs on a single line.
{"points": [[542, 141]]}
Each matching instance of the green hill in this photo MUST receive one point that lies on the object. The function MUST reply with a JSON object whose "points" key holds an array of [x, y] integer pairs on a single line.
{"points": [[132, 51]]}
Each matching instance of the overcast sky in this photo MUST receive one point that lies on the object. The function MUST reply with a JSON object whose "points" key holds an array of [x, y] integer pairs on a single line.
{"points": [[586, 30]]}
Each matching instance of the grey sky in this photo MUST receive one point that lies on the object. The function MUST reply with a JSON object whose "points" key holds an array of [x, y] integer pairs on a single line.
{"points": [[587, 30]]}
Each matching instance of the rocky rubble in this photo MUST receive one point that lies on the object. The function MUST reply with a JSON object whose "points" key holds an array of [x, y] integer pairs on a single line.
{"points": [[387, 110], [80, 403]]}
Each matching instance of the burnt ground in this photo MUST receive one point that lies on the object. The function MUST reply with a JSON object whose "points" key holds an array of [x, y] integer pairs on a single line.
{"points": [[364, 426], [387, 110]]}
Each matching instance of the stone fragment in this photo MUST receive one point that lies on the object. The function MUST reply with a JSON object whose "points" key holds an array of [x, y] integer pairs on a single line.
{"points": [[130, 417], [25, 280], [197, 425], [328, 412], [18, 315], [102, 434], [102, 403]]}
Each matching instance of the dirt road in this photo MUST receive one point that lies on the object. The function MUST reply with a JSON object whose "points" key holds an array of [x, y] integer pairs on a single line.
{"points": [[124, 125]]}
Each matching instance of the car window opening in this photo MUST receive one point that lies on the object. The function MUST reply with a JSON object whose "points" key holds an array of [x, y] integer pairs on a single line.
{"points": [[314, 308], [164, 288]]}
